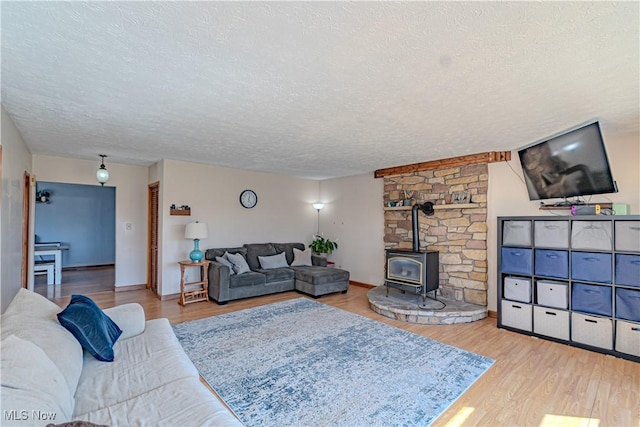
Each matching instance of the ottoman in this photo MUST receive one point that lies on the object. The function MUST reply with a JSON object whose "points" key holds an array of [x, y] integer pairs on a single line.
{"points": [[316, 281]]}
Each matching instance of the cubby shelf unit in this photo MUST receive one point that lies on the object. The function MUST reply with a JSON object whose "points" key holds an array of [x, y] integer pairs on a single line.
{"points": [[572, 279]]}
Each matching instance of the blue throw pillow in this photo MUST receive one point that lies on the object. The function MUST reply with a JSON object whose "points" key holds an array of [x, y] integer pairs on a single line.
{"points": [[95, 331]]}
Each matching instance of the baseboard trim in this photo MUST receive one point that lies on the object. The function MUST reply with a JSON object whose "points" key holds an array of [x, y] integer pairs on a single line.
{"points": [[129, 288], [362, 285], [169, 297], [492, 314]]}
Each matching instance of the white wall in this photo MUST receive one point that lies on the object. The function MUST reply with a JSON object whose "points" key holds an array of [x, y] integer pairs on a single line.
{"points": [[16, 160], [354, 217], [283, 213], [508, 194], [131, 207]]}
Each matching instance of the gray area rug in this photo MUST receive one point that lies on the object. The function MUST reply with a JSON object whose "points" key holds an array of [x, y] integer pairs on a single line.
{"points": [[304, 363]]}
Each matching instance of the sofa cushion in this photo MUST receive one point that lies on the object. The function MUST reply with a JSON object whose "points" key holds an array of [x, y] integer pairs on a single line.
{"points": [[287, 248], [240, 265], [277, 274], [142, 363], [95, 331], [247, 279], [31, 381], [301, 258], [211, 254], [273, 261], [183, 402], [320, 275], [254, 250], [224, 261], [33, 318]]}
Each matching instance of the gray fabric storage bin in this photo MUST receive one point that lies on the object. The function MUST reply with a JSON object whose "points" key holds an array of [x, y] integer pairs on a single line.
{"points": [[552, 294], [591, 235], [516, 233], [517, 289], [628, 236], [551, 234]]}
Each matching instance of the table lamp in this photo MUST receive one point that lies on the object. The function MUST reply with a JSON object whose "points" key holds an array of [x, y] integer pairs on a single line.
{"points": [[196, 231]]}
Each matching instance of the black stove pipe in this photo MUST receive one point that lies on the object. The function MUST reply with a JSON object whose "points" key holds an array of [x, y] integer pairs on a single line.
{"points": [[427, 208]]}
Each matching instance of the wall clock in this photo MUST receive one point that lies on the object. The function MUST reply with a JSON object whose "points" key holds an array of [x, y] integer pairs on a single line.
{"points": [[248, 199]]}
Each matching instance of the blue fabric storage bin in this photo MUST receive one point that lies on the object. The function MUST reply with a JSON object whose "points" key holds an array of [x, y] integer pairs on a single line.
{"points": [[552, 263], [591, 266], [628, 270], [592, 299], [628, 304], [516, 260]]}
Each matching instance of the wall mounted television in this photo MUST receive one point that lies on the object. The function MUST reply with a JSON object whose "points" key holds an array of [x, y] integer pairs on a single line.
{"points": [[573, 163]]}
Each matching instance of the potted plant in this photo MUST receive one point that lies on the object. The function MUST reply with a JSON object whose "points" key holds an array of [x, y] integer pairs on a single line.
{"points": [[320, 245]]}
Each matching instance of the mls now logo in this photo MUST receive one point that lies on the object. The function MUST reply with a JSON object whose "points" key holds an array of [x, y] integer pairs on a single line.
{"points": [[23, 415]]}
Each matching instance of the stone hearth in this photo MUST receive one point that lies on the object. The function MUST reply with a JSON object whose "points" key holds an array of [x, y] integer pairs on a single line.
{"points": [[405, 307]]}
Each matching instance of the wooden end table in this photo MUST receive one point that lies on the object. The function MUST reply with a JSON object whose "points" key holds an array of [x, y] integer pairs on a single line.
{"points": [[194, 291]]}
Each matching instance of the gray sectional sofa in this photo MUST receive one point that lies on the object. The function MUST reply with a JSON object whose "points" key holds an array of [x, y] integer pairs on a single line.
{"points": [[315, 280]]}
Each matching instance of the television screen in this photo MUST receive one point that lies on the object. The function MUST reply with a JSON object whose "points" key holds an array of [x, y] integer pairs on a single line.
{"points": [[572, 164]]}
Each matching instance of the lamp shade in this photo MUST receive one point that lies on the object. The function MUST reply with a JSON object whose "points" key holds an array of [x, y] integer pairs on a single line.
{"points": [[196, 230], [318, 206]]}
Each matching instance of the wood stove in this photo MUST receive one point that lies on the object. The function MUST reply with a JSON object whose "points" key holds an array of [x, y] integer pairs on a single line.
{"points": [[413, 271]]}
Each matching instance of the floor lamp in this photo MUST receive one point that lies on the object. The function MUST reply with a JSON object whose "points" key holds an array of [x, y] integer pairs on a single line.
{"points": [[317, 206]]}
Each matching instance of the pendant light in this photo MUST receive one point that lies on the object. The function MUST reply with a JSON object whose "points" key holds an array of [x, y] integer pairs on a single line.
{"points": [[103, 173]]}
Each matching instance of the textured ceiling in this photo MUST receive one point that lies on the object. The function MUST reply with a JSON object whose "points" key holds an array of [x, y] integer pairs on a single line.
{"points": [[313, 89]]}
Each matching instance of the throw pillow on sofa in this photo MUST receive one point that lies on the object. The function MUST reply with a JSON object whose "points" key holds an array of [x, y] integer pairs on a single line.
{"points": [[30, 382], [95, 331], [222, 260], [301, 258], [273, 261], [239, 263]]}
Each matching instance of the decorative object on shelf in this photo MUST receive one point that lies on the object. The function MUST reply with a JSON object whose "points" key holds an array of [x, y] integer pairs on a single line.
{"points": [[103, 173], [318, 206], [461, 197], [320, 245], [196, 231], [248, 199], [408, 198], [43, 196]]}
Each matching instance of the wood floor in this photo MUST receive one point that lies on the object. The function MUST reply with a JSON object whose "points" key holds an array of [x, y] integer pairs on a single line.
{"points": [[532, 383]]}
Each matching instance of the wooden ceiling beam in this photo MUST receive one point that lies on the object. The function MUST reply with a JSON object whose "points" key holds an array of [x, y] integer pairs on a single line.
{"points": [[471, 159]]}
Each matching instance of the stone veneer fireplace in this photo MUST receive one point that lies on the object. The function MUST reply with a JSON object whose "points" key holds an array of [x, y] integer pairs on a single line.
{"points": [[457, 232]]}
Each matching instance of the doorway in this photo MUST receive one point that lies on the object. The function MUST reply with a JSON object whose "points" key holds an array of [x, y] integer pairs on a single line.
{"points": [[77, 222]]}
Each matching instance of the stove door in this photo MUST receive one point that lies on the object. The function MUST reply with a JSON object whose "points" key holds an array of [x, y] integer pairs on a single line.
{"points": [[404, 269]]}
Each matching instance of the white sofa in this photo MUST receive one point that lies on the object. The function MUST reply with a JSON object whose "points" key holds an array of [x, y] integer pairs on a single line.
{"points": [[47, 378]]}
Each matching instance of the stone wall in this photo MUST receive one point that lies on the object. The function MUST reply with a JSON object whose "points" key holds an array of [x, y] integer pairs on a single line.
{"points": [[458, 234]]}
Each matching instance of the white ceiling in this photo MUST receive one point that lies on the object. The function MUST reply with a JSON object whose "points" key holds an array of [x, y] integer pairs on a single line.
{"points": [[314, 89]]}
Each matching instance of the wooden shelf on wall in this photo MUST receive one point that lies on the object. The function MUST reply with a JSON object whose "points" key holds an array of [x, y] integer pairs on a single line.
{"points": [[437, 207], [568, 207], [186, 212]]}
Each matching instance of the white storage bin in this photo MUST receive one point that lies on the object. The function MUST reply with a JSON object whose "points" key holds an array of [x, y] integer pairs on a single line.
{"points": [[516, 233], [591, 235], [628, 337], [628, 236], [517, 289], [550, 322], [551, 234], [517, 315], [592, 330], [552, 294]]}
